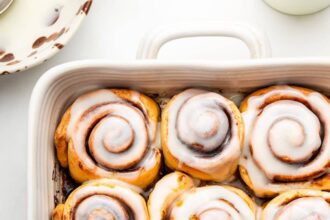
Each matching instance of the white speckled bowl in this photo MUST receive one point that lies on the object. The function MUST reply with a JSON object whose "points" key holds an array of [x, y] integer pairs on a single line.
{"points": [[31, 31]]}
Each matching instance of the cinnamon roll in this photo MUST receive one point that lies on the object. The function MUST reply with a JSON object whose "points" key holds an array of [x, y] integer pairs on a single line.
{"points": [[287, 142], [103, 199], [202, 134], [176, 196], [298, 205], [110, 133]]}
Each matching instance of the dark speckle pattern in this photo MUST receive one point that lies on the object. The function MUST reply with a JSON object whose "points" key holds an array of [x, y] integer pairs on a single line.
{"points": [[39, 42], [87, 6], [8, 57], [59, 46], [42, 40]]}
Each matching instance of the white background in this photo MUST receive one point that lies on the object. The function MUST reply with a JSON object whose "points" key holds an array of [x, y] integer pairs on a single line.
{"points": [[112, 31]]}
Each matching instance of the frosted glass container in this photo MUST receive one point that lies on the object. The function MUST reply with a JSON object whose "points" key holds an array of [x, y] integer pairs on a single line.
{"points": [[298, 7]]}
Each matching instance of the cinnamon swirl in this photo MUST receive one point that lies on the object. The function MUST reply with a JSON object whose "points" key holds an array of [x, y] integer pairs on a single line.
{"points": [[202, 134], [103, 199], [287, 142], [176, 196], [298, 205], [110, 133]]}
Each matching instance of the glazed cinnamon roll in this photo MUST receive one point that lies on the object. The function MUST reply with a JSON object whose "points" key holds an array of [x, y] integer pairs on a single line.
{"points": [[103, 199], [202, 134], [287, 142], [176, 196], [110, 133], [298, 205]]}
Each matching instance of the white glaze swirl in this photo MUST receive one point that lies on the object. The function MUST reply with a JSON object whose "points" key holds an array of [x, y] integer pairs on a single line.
{"points": [[208, 202], [304, 205], [119, 140], [286, 139], [113, 136], [175, 197], [105, 199], [202, 131]]}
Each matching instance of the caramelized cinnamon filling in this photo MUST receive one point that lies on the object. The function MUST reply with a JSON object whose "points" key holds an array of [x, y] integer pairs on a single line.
{"points": [[287, 137], [105, 206], [110, 133], [205, 125]]}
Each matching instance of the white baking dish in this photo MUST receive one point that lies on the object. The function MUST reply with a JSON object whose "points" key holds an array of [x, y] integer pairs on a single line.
{"points": [[61, 85]]}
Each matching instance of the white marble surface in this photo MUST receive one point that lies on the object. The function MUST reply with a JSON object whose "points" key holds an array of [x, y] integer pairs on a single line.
{"points": [[112, 31]]}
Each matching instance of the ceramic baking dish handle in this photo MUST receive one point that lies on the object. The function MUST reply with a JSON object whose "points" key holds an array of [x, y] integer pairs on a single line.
{"points": [[255, 40]]}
